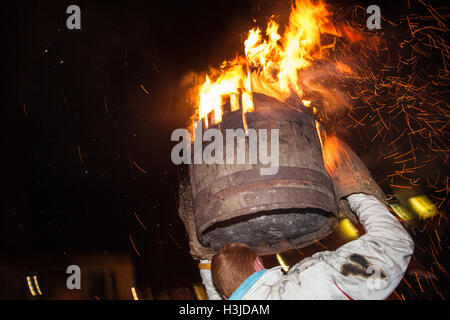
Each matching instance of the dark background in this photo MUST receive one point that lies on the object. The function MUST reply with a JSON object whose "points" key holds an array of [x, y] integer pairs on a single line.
{"points": [[85, 147]]}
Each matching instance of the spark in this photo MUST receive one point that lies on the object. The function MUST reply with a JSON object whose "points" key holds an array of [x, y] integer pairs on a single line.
{"points": [[79, 155], [105, 104], [417, 278], [318, 242], [173, 239], [436, 290], [396, 294], [135, 249], [65, 101], [142, 86], [143, 226], [437, 235], [24, 109], [139, 168]]}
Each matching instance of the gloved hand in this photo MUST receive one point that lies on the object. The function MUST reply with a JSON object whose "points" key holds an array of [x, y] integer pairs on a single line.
{"points": [[186, 213], [349, 175]]}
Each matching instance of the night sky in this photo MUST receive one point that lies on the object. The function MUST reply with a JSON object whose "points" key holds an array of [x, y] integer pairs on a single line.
{"points": [[87, 127], [88, 147]]}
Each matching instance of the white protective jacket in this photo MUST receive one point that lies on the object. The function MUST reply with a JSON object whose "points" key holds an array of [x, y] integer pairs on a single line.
{"points": [[369, 267]]}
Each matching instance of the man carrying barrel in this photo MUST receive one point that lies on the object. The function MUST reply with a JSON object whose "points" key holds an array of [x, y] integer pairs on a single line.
{"points": [[369, 267]]}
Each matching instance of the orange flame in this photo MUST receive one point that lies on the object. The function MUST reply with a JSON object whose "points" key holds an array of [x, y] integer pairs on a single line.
{"points": [[272, 62], [331, 153]]}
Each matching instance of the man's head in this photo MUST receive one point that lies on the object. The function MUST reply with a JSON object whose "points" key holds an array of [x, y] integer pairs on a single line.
{"points": [[231, 265]]}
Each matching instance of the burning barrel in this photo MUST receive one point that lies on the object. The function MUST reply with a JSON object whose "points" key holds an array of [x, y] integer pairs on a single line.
{"points": [[270, 213]]}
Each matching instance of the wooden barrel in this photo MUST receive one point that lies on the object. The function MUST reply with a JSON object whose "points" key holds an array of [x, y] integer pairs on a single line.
{"points": [[271, 213]]}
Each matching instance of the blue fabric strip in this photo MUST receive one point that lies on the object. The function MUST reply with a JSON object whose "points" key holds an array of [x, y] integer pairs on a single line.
{"points": [[246, 285]]}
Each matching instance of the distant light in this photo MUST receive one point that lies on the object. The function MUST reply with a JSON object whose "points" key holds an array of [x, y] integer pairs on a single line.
{"points": [[347, 230], [133, 291], [282, 264], [30, 286], [37, 285], [200, 291], [401, 212], [423, 206]]}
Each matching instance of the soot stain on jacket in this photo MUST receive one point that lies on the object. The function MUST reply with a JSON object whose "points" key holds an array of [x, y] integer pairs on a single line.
{"points": [[359, 267]]}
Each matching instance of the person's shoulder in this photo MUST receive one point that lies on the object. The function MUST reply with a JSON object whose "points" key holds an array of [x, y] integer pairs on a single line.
{"points": [[265, 288], [272, 276]]}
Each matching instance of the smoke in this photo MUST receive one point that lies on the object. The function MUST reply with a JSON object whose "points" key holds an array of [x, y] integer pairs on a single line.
{"points": [[322, 83]]}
